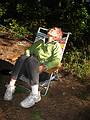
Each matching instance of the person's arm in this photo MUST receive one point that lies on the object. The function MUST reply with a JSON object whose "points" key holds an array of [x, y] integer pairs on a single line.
{"points": [[56, 57], [32, 48]]}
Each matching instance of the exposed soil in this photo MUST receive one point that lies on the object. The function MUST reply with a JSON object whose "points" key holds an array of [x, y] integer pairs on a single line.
{"points": [[68, 98]]}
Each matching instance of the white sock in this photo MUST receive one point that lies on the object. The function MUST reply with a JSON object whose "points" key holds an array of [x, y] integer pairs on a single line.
{"points": [[12, 82], [34, 89]]}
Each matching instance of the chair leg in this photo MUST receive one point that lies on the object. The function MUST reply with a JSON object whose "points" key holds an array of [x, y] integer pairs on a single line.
{"points": [[45, 84], [48, 84]]}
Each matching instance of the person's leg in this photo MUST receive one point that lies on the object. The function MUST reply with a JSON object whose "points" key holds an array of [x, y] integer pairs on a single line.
{"points": [[18, 66], [16, 70], [32, 68]]}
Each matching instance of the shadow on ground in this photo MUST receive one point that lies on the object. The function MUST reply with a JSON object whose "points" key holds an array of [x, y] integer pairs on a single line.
{"points": [[5, 67]]}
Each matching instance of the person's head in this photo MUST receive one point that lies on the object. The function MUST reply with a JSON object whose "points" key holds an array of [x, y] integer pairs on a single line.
{"points": [[55, 34]]}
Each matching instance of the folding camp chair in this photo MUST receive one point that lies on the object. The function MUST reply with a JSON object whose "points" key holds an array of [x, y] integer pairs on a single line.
{"points": [[53, 73]]}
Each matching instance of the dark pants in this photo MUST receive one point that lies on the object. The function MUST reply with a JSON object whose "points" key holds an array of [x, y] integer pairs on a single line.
{"points": [[28, 66]]}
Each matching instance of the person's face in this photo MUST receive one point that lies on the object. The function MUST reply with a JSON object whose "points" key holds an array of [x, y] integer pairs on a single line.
{"points": [[55, 34]]}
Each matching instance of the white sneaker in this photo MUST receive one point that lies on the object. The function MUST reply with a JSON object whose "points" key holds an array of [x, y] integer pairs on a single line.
{"points": [[9, 92], [30, 100]]}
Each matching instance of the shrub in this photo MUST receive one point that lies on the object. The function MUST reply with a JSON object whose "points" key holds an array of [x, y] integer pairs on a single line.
{"points": [[17, 30], [77, 63], [2, 10]]}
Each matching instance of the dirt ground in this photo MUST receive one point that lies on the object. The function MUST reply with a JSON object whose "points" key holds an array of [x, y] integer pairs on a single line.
{"points": [[68, 98]]}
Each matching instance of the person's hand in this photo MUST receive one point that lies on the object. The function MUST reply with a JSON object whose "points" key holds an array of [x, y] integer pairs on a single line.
{"points": [[27, 53], [42, 68]]}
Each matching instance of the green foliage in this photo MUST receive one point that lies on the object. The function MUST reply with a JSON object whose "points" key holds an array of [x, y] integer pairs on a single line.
{"points": [[76, 17], [17, 30], [19, 8], [2, 10], [77, 63]]}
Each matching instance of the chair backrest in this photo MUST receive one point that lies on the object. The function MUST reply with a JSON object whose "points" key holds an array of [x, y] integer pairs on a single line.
{"points": [[64, 40], [42, 34]]}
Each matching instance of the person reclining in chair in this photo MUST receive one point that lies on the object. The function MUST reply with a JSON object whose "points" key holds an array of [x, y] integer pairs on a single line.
{"points": [[38, 58]]}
